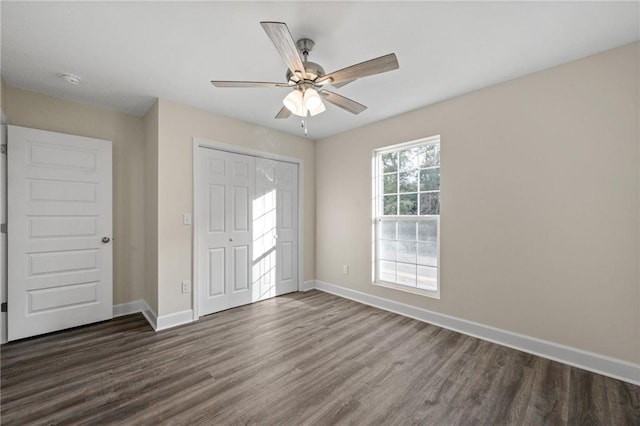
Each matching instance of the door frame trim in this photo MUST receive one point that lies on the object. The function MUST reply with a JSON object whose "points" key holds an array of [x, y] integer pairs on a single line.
{"points": [[235, 149]]}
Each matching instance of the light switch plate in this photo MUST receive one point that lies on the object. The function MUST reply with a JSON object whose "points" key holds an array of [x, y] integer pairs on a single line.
{"points": [[186, 286], [186, 219]]}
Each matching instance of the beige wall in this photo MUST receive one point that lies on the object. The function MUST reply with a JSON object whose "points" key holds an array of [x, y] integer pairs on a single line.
{"points": [[178, 125], [29, 109], [151, 121], [539, 207]]}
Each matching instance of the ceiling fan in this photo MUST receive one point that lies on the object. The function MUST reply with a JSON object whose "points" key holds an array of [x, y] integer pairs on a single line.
{"points": [[308, 79]]}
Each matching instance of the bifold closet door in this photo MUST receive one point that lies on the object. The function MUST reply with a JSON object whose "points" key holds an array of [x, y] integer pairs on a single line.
{"points": [[226, 183], [275, 256], [247, 229]]}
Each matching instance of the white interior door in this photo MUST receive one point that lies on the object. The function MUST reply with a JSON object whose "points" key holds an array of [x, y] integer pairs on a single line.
{"points": [[276, 253], [59, 231], [225, 183]]}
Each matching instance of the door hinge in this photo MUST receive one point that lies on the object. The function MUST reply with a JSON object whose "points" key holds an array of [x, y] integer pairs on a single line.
{"points": [[3, 228], [3, 149], [3, 307]]}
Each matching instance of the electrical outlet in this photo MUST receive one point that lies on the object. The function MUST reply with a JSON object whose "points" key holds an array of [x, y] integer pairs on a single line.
{"points": [[345, 269], [186, 286]]}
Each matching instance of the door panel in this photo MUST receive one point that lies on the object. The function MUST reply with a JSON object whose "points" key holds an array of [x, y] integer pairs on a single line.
{"points": [[60, 273], [63, 296], [241, 268], [224, 239], [287, 257], [287, 277], [62, 261], [240, 208], [48, 227], [288, 209], [277, 184], [216, 208], [216, 269]]}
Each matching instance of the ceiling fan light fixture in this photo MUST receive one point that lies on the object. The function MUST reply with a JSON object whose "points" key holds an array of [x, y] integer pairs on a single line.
{"points": [[294, 102], [306, 78], [311, 99]]}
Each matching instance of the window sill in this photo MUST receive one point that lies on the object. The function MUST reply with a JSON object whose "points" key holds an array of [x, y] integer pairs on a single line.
{"points": [[435, 294]]}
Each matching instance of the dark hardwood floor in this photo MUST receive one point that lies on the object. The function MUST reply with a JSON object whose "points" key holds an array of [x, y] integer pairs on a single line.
{"points": [[304, 358]]}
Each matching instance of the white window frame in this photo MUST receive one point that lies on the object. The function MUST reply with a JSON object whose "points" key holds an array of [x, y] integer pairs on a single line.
{"points": [[377, 210]]}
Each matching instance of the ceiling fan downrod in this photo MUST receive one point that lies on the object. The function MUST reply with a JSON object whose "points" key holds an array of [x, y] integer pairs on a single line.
{"points": [[305, 45]]}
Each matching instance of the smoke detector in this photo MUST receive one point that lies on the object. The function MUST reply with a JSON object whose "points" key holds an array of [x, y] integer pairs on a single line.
{"points": [[71, 78]]}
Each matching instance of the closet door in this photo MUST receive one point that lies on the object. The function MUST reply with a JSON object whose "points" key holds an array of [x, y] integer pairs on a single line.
{"points": [[226, 191], [275, 251], [287, 228]]}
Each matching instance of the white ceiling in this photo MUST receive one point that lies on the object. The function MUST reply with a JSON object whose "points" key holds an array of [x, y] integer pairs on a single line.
{"points": [[128, 54]]}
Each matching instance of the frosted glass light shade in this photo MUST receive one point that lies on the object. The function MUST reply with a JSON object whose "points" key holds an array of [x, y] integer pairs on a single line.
{"points": [[302, 104], [294, 102], [311, 99], [320, 108]]}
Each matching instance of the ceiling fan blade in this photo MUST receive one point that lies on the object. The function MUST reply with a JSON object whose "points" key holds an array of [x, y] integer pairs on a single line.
{"points": [[283, 113], [279, 34], [363, 69], [344, 103], [342, 83], [247, 84]]}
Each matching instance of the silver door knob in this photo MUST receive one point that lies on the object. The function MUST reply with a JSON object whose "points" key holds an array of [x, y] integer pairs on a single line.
{"points": [[105, 240], [230, 239]]}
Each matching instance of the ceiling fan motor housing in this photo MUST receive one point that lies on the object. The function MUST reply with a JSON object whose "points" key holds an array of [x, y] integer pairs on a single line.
{"points": [[312, 70]]}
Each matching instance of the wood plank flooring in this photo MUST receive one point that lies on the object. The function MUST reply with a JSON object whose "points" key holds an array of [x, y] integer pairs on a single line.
{"points": [[304, 358]]}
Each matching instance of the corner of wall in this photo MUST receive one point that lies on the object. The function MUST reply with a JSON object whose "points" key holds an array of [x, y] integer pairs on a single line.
{"points": [[151, 129], [315, 210]]}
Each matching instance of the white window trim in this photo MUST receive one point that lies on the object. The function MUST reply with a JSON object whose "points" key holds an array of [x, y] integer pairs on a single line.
{"points": [[376, 181]]}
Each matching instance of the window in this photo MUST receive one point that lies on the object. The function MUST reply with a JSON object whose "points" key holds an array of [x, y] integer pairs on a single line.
{"points": [[407, 216]]}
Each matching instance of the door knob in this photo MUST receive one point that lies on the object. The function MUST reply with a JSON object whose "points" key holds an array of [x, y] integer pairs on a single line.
{"points": [[105, 240], [230, 239]]}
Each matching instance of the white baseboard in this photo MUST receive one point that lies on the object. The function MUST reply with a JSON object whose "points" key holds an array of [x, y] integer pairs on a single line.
{"points": [[158, 323], [173, 320], [308, 285], [601, 364], [137, 306], [149, 315], [127, 308]]}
